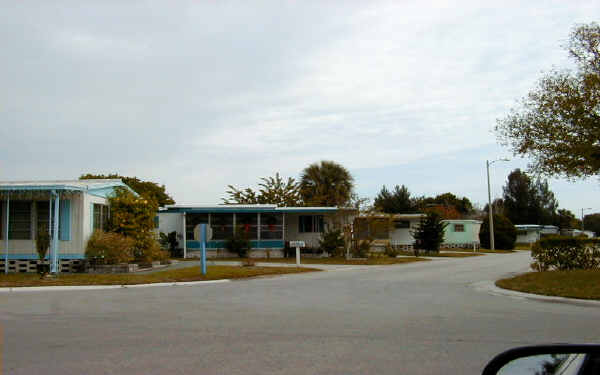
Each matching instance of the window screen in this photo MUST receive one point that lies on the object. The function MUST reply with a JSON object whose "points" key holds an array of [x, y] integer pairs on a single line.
{"points": [[271, 226], [222, 226], [20, 220]]}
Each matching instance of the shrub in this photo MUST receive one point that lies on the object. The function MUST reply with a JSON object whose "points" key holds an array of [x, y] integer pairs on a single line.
{"points": [[430, 233], [170, 242], [109, 248], [146, 249], [391, 252], [566, 253], [362, 250], [239, 244], [42, 242], [133, 217], [332, 242], [505, 233]]}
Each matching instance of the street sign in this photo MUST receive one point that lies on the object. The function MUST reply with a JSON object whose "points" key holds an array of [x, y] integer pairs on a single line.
{"points": [[297, 244]]}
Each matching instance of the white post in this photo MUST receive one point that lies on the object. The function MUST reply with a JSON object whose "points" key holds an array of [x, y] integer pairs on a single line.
{"points": [[184, 238], [50, 216], [54, 266], [297, 256], [6, 233]]}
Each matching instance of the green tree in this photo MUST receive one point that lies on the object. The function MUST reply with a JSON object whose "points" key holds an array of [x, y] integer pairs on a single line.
{"points": [[565, 219], [133, 217], [394, 202], [462, 205], [326, 184], [429, 235], [527, 201], [147, 189], [592, 222], [505, 233], [272, 190], [497, 207], [557, 124]]}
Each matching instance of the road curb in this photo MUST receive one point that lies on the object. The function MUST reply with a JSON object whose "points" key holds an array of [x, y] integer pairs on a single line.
{"points": [[103, 287], [490, 287]]}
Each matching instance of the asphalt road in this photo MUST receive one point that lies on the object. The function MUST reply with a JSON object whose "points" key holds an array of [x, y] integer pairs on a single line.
{"points": [[420, 318]]}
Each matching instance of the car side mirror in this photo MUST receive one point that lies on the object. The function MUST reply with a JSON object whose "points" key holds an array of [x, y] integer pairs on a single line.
{"points": [[546, 360]]}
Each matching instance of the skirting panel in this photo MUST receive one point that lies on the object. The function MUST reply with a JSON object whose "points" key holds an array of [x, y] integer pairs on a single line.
{"points": [[24, 265]]}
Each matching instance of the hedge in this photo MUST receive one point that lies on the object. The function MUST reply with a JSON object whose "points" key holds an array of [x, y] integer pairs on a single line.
{"points": [[566, 253]]}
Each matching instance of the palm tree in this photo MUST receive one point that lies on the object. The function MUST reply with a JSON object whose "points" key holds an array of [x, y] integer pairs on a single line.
{"points": [[326, 184]]}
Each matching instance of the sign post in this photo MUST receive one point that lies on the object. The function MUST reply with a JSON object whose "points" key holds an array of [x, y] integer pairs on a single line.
{"points": [[297, 245], [203, 246]]}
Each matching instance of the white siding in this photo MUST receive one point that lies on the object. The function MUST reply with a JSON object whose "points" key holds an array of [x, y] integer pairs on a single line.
{"points": [[531, 236], [88, 214], [402, 236], [169, 222], [292, 228]]}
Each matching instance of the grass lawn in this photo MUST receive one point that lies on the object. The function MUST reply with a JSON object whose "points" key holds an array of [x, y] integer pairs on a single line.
{"points": [[334, 261], [584, 284], [522, 246], [441, 255], [181, 274]]}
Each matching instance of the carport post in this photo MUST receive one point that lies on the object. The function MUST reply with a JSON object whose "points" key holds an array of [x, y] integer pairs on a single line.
{"points": [[6, 233], [54, 265], [184, 238]]}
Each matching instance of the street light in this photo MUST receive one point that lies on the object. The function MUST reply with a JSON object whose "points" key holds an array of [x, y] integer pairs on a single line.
{"points": [[487, 164], [583, 225]]}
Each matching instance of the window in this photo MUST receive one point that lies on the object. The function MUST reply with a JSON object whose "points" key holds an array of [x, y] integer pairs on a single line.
{"points": [[459, 227], [401, 224], [191, 221], [271, 226], [222, 226], [310, 224], [20, 220], [101, 213]]}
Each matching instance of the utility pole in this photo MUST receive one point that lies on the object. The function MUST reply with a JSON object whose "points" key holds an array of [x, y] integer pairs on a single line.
{"points": [[490, 209]]}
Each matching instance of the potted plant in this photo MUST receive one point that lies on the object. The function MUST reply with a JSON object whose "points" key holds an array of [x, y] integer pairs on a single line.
{"points": [[42, 243]]}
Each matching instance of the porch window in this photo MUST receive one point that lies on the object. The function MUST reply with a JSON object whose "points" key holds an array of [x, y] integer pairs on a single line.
{"points": [[222, 226], [191, 221], [247, 224], [20, 220], [310, 224], [101, 213], [459, 227], [271, 226]]}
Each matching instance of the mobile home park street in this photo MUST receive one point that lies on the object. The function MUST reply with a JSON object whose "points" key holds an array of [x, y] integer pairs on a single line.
{"points": [[419, 318]]}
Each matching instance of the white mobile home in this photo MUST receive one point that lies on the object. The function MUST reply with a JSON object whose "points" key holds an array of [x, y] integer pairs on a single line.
{"points": [[267, 226], [461, 233], [530, 233], [69, 210], [396, 230]]}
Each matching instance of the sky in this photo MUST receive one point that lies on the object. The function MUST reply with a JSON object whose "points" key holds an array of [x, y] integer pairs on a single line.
{"points": [[197, 95]]}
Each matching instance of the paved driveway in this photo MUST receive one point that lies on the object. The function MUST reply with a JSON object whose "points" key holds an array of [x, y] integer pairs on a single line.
{"points": [[419, 318]]}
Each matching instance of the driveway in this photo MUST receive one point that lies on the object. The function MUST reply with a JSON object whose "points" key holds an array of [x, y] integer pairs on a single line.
{"points": [[418, 318]]}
